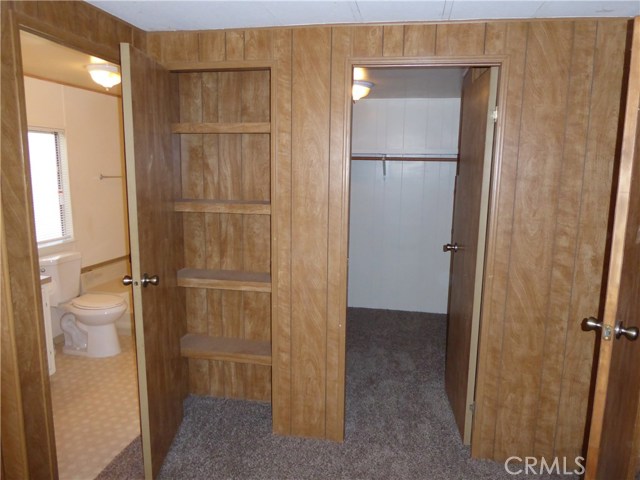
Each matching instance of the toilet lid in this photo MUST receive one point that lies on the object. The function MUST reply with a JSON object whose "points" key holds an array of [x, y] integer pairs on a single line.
{"points": [[97, 301]]}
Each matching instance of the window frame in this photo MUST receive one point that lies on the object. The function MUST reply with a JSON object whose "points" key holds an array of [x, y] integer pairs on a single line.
{"points": [[62, 160]]}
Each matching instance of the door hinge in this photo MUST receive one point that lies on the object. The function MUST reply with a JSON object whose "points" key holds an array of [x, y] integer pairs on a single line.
{"points": [[472, 407], [494, 115]]}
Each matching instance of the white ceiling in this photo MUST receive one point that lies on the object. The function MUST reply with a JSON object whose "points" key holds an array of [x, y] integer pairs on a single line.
{"points": [[51, 61], [159, 15]]}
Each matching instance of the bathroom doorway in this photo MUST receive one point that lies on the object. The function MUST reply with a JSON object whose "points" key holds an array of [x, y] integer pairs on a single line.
{"points": [[75, 130]]}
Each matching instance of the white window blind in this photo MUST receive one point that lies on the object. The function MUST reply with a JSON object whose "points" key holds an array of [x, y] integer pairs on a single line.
{"points": [[50, 186]]}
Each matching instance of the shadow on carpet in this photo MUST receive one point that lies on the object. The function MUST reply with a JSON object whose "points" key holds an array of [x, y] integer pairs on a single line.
{"points": [[398, 421]]}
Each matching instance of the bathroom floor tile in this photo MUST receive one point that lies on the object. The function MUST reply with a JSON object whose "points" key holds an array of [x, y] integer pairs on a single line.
{"points": [[95, 410]]}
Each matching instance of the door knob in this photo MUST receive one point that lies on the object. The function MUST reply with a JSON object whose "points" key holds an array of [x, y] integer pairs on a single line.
{"points": [[630, 332], [450, 248], [591, 323], [147, 280], [127, 280]]}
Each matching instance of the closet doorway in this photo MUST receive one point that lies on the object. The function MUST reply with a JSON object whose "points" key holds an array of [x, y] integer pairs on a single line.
{"points": [[422, 144]]}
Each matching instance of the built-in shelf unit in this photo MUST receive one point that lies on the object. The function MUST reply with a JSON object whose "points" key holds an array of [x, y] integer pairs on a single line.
{"points": [[224, 131]]}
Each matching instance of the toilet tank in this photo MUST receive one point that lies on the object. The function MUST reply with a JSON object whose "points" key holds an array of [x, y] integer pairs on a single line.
{"points": [[64, 270]]}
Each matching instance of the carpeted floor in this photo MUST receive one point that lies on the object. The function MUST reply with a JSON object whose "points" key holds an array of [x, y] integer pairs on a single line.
{"points": [[398, 421]]}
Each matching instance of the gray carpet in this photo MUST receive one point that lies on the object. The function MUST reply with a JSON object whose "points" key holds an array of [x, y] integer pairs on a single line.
{"points": [[398, 422]]}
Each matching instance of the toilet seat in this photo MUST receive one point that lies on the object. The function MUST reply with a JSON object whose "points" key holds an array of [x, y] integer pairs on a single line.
{"points": [[97, 301]]}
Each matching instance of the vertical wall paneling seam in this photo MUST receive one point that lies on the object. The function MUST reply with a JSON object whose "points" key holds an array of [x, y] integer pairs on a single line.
{"points": [[435, 41], [404, 29], [484, 38], [555, 237], [579, 223], [509, 263]]}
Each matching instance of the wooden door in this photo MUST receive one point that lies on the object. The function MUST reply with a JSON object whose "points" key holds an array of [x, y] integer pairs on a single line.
{"points": [[156, 246], [613, 440], [468, 234]]}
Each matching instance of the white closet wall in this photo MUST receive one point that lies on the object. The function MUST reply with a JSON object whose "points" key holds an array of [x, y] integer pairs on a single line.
{"points": [[406, 126], [399, 221]]}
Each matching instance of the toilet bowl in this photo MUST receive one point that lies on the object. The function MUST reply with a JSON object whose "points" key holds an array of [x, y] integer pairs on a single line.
{"points": [[89, 325], [87, 321]]}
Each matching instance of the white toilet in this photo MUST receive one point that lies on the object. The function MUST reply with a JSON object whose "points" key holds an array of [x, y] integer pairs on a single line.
{"points": [[87, 321]]}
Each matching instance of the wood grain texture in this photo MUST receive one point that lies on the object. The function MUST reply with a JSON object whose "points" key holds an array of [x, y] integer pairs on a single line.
{"points": [[228, 127], [86, 28], [249, 207], [460, 39], [367, 41], [419, 40], [226, 190], [600, 155], [613, 448], [234, 45], [505, 266], [212, 47], [226, 349], [465, 228], [512, 42], [14, 442], [258, 44], [393, 41], [342, 39], [281, 217], [543, 114], [564, 245], [310, 182], [156, 246], [224, 280]]}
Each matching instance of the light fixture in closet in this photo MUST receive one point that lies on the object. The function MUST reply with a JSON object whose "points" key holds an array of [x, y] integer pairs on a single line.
{"points": [[361, 87], [103, 73]]}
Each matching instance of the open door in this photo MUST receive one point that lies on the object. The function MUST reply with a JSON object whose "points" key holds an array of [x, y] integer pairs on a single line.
{"points": [[156, 245], [614, 445], [468, 234]]}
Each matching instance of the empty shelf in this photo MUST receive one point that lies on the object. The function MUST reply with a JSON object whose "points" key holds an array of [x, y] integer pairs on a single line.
{"points": [[223, 206], [239, 127], [224, 280], [218, 66], [226, 349]]}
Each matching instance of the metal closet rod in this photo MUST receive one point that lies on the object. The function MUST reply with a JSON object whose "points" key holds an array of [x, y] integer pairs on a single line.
{"points": [[404, 159]]}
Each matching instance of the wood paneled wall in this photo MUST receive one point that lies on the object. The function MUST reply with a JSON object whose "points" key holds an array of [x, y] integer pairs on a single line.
{"points": [[227, 167], [544, 268], [551, 197], [81, 26]]}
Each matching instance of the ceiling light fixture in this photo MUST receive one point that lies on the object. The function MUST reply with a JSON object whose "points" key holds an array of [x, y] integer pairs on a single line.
{"points": [[360, 89], [104, 74]]}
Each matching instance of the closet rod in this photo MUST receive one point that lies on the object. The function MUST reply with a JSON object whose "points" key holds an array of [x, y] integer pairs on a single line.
{"points": [[405, 159]]}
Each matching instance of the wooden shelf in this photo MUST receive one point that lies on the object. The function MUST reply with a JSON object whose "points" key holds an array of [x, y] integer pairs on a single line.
{"points": [[225, 349], [224, 280], [223, 206], [238, 127], [218, 66]]}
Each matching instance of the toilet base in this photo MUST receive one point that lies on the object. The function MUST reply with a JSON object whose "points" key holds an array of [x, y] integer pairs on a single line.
{"points": [[102, 341]]}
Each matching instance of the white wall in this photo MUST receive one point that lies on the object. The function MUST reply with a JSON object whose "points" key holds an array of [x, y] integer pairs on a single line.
{"points": [[399, 222], [406, 126], [92, 123]]}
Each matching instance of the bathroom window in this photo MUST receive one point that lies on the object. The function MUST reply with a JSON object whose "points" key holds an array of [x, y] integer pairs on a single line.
{"points": [[50, 186]]}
